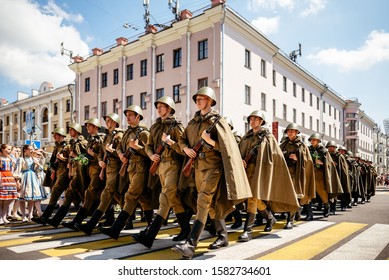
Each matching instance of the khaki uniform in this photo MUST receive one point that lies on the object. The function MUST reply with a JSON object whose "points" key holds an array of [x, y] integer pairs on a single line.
{"points": [[137, 169], [113, 164], [320, 153], [61, 172], [170, 165], [96, 185]]}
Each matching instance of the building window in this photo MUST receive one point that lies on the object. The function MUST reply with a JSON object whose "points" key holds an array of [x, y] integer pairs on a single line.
{"points": [[55, 109], [285, 84], [86, 112], [143, 100], [334, 113], [104, 108], [303, 119], [317, 103], [104, 80], [329, 130], [329, 109], [159, 93], [160, 63], [263, 68], [177, 57], [24, 116], [203, 49], [176, 93], [324, 106], [263, 101], [294, 116], [317, 125], [274, 107], [274, 78], [115, 76], [130, 72], [284, 114], [87, 84], [310, 122], [55, 126], [302, 94], [324, 127], [247, 95], [114, 105], [246, 127], [143, 68], [16, 118], [310, 99], [129, 100], [247, 59], [68, 105], [7, 121], [294, 90], [202, 83], [67, 127]]}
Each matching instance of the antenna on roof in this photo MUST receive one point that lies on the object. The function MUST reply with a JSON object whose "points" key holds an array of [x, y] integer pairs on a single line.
{"points": [[175, 9], [66, 52], [146, 16], [293, 55]]}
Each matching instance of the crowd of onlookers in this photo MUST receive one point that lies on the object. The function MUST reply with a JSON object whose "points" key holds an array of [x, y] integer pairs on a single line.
{"points": [[383, 180]]}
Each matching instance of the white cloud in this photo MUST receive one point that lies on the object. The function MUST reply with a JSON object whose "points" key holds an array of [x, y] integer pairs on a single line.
{"points": [[30, 42], [308, 7], [267, 25], [374, 51]]}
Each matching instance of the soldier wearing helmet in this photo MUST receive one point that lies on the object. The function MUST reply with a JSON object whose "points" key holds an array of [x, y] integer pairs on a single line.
{"points": [[259, 150], [300, 167], [342, 173], [134, 159], [165, 131], [108, 160], [219, 154], [58, 178], [96, 185], [77, 174]]}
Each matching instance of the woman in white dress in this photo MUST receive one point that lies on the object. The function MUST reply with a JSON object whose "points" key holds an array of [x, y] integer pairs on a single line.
{"points": [[31, 190]]}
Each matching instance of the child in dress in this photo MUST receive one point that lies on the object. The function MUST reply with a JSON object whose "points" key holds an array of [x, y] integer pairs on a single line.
{"points": [[8, 191]]}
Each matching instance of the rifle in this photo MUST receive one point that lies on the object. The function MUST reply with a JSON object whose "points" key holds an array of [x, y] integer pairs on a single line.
{"points": [[102, 172], [130, 151], [254, 151], [160, 149], [188, 166]]}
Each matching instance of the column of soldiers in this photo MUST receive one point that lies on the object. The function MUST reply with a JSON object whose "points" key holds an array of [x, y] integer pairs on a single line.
{"points": [[201, 169]]}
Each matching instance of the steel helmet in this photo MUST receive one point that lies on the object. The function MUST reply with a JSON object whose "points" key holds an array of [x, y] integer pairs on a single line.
{"points": [[94, 121], [76, 126], [342, 148], [167, 101], [229, 121], [315, 136], [207, 91], [114, 117], [257, 113], [136, 109], [350, 153], [331, 144], [59, 130], [293, 126]]}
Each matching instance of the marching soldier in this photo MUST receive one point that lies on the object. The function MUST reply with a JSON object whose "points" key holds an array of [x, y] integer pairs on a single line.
{"points": [[96, 185], [300, 167], [110, 165], [216, 153], [351, 173], [166, 131], [75, 191], [261, 155], [59, 173], [131, 151], [343, 171]]}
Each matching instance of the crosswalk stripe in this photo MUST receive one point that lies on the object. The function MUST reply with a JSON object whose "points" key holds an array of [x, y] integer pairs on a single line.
{"points": [[361, 247], [309, 247]]}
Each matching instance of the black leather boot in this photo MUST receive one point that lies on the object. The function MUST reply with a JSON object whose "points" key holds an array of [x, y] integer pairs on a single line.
{"points": [[45, 216], [270, 220], [309, 216], [81, 214], [91, 224], [222, 235], [146, 238], [259, 219], [210, 227], [58, 217], [332, 208], [248, 228], [148, 214], [187, 249], [326, 212], [109, 218], [289, 220], [118, 225], [238, 219], [185, 227]]}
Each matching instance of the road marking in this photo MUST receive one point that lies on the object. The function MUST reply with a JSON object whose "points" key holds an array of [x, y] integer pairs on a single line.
{"points": [[314, 244], [362, 247]]}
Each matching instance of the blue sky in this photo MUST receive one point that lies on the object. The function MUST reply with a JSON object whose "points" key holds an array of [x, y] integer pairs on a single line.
{"points": [[345, 43]]}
